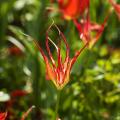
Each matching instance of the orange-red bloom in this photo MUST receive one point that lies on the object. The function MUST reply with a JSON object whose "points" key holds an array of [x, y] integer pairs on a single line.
{"points": [[71, 9], [86, 29], [3, 116], [116, 7], [60, 73]]}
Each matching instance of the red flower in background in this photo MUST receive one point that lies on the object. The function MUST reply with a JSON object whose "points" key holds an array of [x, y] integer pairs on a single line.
{"points": [[86, 29], [71, 9], [3, 116], [19, 93], [89, 31], [60, 73], [15, 94], [116, 7], [15, 51]]}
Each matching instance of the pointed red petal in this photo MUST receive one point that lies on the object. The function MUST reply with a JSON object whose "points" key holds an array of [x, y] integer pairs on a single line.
{"points": [[78, 26], [26, 113], [40, 49], [95, 27], [67, 58], [47, 46], [116, 7], [99, 31], [60, 61], [58, 50], [84, 30], [73, 60], [66, 44], [49, 71], [84, 5]]}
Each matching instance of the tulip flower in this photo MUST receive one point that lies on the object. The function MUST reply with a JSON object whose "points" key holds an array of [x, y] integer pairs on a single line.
{"points": [[3, 116], [60, 73], [86, 29], [71, 9]]}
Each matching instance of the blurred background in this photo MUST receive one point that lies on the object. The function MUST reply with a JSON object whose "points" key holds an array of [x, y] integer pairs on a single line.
{"points": [[93, 92]]}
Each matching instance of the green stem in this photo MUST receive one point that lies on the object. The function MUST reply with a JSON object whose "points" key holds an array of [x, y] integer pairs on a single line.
{"points": [[36, 83], [57, 104]]}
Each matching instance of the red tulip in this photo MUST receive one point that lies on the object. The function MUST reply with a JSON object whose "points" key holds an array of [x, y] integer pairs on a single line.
{"points": [[3, 116], [71, 9], [59, 74], [116, 7]]}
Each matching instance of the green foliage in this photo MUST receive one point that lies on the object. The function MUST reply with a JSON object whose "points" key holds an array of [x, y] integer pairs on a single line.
{"points": [[94, 89]]}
